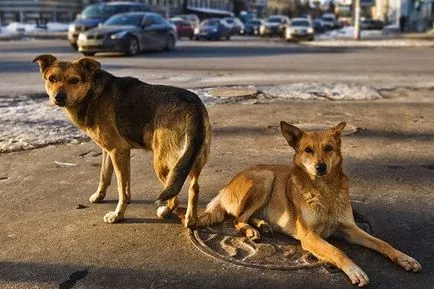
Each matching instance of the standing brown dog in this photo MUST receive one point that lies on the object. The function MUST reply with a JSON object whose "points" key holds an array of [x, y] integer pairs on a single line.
{"points": [[122, 113], [309, 202]]}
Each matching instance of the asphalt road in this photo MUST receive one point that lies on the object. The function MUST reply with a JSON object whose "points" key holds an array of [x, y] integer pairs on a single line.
{"points": [[239, 61]]}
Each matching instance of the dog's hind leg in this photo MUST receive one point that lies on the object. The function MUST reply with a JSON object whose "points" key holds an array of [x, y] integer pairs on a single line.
{"points": [[193, 196], [162, 171], [242, 225], [121, 163], [105, 178]]}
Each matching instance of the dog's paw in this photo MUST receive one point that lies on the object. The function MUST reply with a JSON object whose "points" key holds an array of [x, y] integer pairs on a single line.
{"points": [[96, 197], [253, 234], [190, 222], [408, 263], [265, 228], [356, 275], [164, 212], [112, 217]]}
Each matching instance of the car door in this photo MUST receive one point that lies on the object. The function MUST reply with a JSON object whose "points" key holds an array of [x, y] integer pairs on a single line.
{"points": [[149, 32]]}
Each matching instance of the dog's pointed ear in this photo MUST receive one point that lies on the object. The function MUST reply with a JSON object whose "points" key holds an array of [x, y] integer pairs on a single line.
{"points": [[339, 128], [89, 64], [44, 61], [291, 133]]}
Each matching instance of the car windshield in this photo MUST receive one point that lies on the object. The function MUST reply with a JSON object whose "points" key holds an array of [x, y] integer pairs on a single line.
{"points": [[274, 20], [300, 23], [230, 21], [254, 22], [99, 11], [210, 23], [328, 18], [123, 19]]}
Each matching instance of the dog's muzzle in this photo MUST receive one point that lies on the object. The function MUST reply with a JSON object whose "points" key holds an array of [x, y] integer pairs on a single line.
{"points": [[321, 169], [60, 98]]}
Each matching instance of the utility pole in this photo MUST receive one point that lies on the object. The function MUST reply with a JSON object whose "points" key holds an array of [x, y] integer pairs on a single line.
{"points": [[357, 34]]}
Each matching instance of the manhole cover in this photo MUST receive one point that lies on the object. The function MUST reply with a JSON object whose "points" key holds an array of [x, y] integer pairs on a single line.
{"points": [[279, 252]]}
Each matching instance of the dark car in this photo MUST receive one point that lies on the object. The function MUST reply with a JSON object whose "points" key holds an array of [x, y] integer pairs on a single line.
{"points": [[317, 26], [253, 26], [275, 25], [184, 28], [129, 33], [190, 17], [214, 28], [95, 14], [370, 24], [235, 24]]}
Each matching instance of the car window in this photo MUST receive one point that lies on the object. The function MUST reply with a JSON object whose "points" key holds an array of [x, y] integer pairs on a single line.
{"points": [[153, 20], [124, 19], [300, 23], [274, 19], [98, 11]]}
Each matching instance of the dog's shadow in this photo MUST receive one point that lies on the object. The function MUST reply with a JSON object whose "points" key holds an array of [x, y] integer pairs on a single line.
{"points": [[171, 220]]}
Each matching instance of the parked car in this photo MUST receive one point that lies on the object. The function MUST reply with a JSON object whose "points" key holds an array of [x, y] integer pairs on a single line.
{"points": [[329, 21], [184, 28], [274, 25], [95, 14], [317, 26], [235, 24], [299, 29], [213, 28], [192, 18], [129, 33], [369, 24], [253, 26]]}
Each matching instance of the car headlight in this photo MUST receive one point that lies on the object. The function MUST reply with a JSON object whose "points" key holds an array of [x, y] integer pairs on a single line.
{"points": [[81, 36], [118, 35], [71, 28], [310, 30], [196, 30], [214, 30]]}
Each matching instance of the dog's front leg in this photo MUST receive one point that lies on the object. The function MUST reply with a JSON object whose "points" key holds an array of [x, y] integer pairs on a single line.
{"points": [[325, 251], [105, 178], [121, 163], [355, 235]]}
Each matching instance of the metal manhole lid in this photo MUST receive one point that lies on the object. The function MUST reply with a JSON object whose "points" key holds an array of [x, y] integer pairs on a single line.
{"points": [[279, 252]]}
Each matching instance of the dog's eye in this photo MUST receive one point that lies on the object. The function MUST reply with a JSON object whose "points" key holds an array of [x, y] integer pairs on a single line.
{"points": [[328, 148], [308, 150], [52, 78], [73, 80]]}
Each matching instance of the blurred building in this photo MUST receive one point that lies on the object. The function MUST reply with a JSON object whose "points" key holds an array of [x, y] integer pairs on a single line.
{"points": [[31, 10], [257, 7], [415, 15], [280, 6]]}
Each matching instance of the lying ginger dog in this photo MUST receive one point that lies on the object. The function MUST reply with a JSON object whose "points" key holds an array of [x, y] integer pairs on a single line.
{"points": [[309, 202]]}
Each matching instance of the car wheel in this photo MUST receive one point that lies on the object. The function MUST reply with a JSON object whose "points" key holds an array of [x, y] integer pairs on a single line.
{"points": [[74, 46], [170, 44], [191, 37], [86, 53], [228, 37], [132, 46]]}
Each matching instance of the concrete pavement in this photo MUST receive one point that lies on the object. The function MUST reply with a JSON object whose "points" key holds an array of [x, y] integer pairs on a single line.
{"points": [[47, 242]]}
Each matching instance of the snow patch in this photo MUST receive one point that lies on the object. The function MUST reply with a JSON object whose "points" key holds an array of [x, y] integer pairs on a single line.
{"points": [[324, 91]]}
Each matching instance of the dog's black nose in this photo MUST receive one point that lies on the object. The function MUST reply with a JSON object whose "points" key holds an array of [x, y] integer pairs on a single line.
{"points": [[60, 97], [321, 168]]}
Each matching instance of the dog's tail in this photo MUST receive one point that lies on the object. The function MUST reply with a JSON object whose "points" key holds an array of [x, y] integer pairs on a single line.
{"points": [[213, 214], [194, 140]]}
